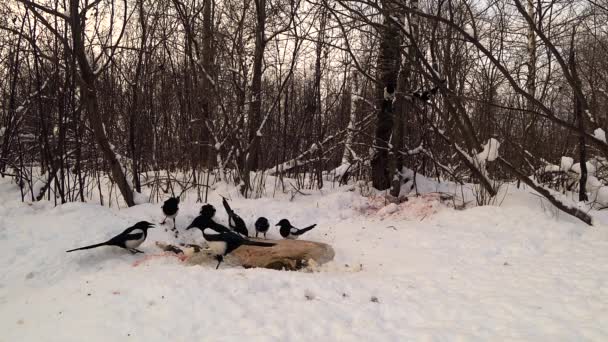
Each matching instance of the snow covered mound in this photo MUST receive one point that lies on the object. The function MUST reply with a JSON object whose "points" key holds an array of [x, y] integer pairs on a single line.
{"points": [[515, 272]]}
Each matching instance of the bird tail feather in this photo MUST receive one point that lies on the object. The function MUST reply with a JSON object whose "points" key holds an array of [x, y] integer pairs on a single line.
{"points": [[226, 206], [304, 230], [89, 247]]}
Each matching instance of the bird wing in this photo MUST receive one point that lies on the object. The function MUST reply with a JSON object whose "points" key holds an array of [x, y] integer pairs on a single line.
{"points": [[238, 222], [134, 236], [218, 227], [233, 240], [198, 222], [130, 234]]}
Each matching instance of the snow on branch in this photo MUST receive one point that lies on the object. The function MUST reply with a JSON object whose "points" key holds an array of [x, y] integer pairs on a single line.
{"points": [[300, 160], [550, 195], [471, 162]]}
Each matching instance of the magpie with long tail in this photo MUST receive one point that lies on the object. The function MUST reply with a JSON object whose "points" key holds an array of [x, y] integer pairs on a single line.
{"points": [[170, 209], [130, 239], [261, 226], [221, 240], [235, 221], [290, 232]]}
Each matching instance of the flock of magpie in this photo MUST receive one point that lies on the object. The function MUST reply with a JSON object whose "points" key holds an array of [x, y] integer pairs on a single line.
{"points": [[221, 240]]}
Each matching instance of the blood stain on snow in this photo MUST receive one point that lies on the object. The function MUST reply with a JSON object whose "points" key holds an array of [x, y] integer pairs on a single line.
{"points": [[181, 257], [414, 208]]}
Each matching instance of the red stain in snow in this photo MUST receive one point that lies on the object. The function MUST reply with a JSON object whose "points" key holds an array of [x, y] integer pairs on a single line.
{"points": [[146, 258], [416, 207]]}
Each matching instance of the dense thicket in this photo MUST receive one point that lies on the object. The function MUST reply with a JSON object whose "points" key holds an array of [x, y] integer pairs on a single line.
{"points": [[148, 89]]}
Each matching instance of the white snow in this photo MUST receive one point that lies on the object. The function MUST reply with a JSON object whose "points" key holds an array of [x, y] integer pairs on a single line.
{"points": [[566, 163], [340, 170], [601, 196], [593, 184], [138, 197], [469, 30], [389, 209], [600, 134], [417, 271], [490, 151], [551, 168], [590, 168]]}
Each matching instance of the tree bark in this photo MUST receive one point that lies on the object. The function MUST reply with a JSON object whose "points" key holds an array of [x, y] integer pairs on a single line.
{"points": [[255, 106], [403, 105], [388, 68], [88, 97], [578, 111]]}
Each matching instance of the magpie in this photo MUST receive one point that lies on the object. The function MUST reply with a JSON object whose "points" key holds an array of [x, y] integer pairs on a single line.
{"points": [[170, 209], [261, 226], [221, 240], [130, 239], [290, 232], [239, 225]]}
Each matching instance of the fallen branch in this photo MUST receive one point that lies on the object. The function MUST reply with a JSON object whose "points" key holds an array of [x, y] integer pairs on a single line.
{"points": [[579, 214]]}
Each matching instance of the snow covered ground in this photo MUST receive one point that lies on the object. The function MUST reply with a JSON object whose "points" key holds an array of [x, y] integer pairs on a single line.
{"points": [[420, 271]]}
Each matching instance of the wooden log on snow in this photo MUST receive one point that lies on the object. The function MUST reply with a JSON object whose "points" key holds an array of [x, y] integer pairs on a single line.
{"points": [[285, 254]]}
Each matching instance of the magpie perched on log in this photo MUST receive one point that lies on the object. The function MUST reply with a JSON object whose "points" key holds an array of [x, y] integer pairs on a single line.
{"points": [[261, 226], [130, 239], [170, 209], [221, 240], [235, 221], [290, 232]]}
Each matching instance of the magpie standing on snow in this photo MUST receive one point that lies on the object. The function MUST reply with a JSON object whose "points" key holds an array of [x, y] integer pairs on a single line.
{"points": [[239, 225], [170, 209], [261, 226], [290, 232], [130, 239], [221, 240]]}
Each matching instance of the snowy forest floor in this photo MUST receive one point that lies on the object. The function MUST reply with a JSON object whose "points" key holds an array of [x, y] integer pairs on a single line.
{"points": [[418, 272]]}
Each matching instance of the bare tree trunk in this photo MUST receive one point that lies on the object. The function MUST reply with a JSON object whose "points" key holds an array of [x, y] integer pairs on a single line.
{"points": [[388, 68], [403, 106], [208, 55], [136, 105], [578, 111], [88, 94], [317, 107], [255, 105], [347, 156], [531, 79]]}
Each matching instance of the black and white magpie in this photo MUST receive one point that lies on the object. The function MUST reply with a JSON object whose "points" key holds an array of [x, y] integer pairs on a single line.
{"points": [[290, 232], [170, 209], [261, 226], [235, 221], [130, 239], [221, 240]]}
